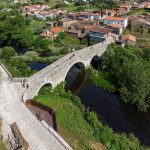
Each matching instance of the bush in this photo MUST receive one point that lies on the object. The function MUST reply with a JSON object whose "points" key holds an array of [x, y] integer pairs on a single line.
{"points": [[45, 90], [101, 79], [8, 52], [93, 120]]}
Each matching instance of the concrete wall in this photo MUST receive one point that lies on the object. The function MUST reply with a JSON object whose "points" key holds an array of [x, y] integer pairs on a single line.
{"points": [[56, 72]]}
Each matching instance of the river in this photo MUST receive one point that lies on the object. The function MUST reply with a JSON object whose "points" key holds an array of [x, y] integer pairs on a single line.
{"points": [[119, 116]]}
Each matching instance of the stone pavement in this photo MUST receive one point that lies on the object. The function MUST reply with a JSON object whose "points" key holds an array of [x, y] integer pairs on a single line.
{"points": [[13, 110]]}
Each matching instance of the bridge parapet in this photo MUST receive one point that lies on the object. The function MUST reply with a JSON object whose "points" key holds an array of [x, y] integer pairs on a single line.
{"points": [[56, 72], [80, 53]]}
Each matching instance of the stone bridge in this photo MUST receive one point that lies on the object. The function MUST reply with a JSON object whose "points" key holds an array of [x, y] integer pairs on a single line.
{"points": [[56, 72]]}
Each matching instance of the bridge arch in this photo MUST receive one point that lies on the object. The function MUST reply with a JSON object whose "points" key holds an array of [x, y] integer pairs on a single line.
{"points": [[44, 83], [95, 61], [73, 74]]}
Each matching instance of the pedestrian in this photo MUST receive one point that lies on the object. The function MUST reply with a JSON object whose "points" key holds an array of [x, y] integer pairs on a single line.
{"points": [[38, 116], [27, 86], [23, 84]]}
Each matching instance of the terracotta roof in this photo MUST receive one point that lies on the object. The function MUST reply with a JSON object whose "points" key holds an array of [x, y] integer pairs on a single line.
{"points": [[115, 18], [129, 37], [111, 11], [56, 29], [89, 27], [99, 29], [115, 25]]}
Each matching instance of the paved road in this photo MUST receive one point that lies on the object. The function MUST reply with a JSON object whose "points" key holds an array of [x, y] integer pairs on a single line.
{"points": [[13, 110]]}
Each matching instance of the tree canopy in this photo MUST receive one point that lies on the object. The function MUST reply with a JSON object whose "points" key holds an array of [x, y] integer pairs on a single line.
{"points": [[130, 72]]}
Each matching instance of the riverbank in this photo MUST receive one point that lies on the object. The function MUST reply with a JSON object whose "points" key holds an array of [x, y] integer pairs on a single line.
{"points": [[81, 128]]}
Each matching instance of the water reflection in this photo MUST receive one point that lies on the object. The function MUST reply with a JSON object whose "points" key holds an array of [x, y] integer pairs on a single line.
{"points": [[37, 65]]}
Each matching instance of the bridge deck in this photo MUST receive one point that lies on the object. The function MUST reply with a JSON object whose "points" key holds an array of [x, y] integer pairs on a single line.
{"points": [[13, 110]]}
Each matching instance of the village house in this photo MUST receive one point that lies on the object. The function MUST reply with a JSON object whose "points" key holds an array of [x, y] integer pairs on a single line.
{"points": [[78, 29], [126, 40], [52, 33], [129, 40], [142, 21], [117, 24], [111, 12], [116, 20], [121, 11], [66, 22], [80, 25], [89, 15], [42, 11], [51, 24], [143, 4], [98, 33], [116, 28]]}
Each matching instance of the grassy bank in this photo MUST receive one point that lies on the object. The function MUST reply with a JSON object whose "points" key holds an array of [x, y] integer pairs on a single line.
{"points": [[139, 11], [102, 80], [83, 130]]}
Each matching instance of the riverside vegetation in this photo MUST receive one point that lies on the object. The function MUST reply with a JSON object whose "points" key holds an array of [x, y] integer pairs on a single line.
{"points": [[126, 71], [80, 128]]}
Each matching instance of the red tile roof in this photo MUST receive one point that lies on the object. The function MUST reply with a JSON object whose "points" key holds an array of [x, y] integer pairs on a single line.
{"points": [[56, 29], [115, 18], [115, 25], [129, 37], [99, 29]]}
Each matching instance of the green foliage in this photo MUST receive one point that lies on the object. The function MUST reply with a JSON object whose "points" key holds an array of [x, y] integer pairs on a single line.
{"points": [[135, 84], [125, 70], [93, 120], [24, 37], [101, 79], [45, 90], [14, 29], [7, 52], [42, 43], [23, 69]]}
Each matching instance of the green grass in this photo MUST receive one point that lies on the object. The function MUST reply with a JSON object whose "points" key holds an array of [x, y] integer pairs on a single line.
{"points": [[101, 80], [71, 124], [72, 41], [139, 11]]}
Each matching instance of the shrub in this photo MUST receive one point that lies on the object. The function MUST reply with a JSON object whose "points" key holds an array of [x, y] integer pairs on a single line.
{"points": [[8, 52]]}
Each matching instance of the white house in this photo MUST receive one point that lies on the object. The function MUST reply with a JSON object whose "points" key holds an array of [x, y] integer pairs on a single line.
{"points": [[116, 20]]}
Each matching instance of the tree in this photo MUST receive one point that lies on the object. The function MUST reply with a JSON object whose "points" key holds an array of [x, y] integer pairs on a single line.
{"points": [[8, 52], [131, 74], [135, 84], [23, 37], [42, 43], [23, 69]]}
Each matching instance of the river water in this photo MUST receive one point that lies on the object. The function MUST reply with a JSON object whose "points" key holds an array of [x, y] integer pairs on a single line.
{"points": [[119, 116]]}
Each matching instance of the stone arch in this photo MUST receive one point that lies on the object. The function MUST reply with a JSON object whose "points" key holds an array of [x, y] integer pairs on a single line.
{"points": [[75, 65], [95, 61], [43, 84]]}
